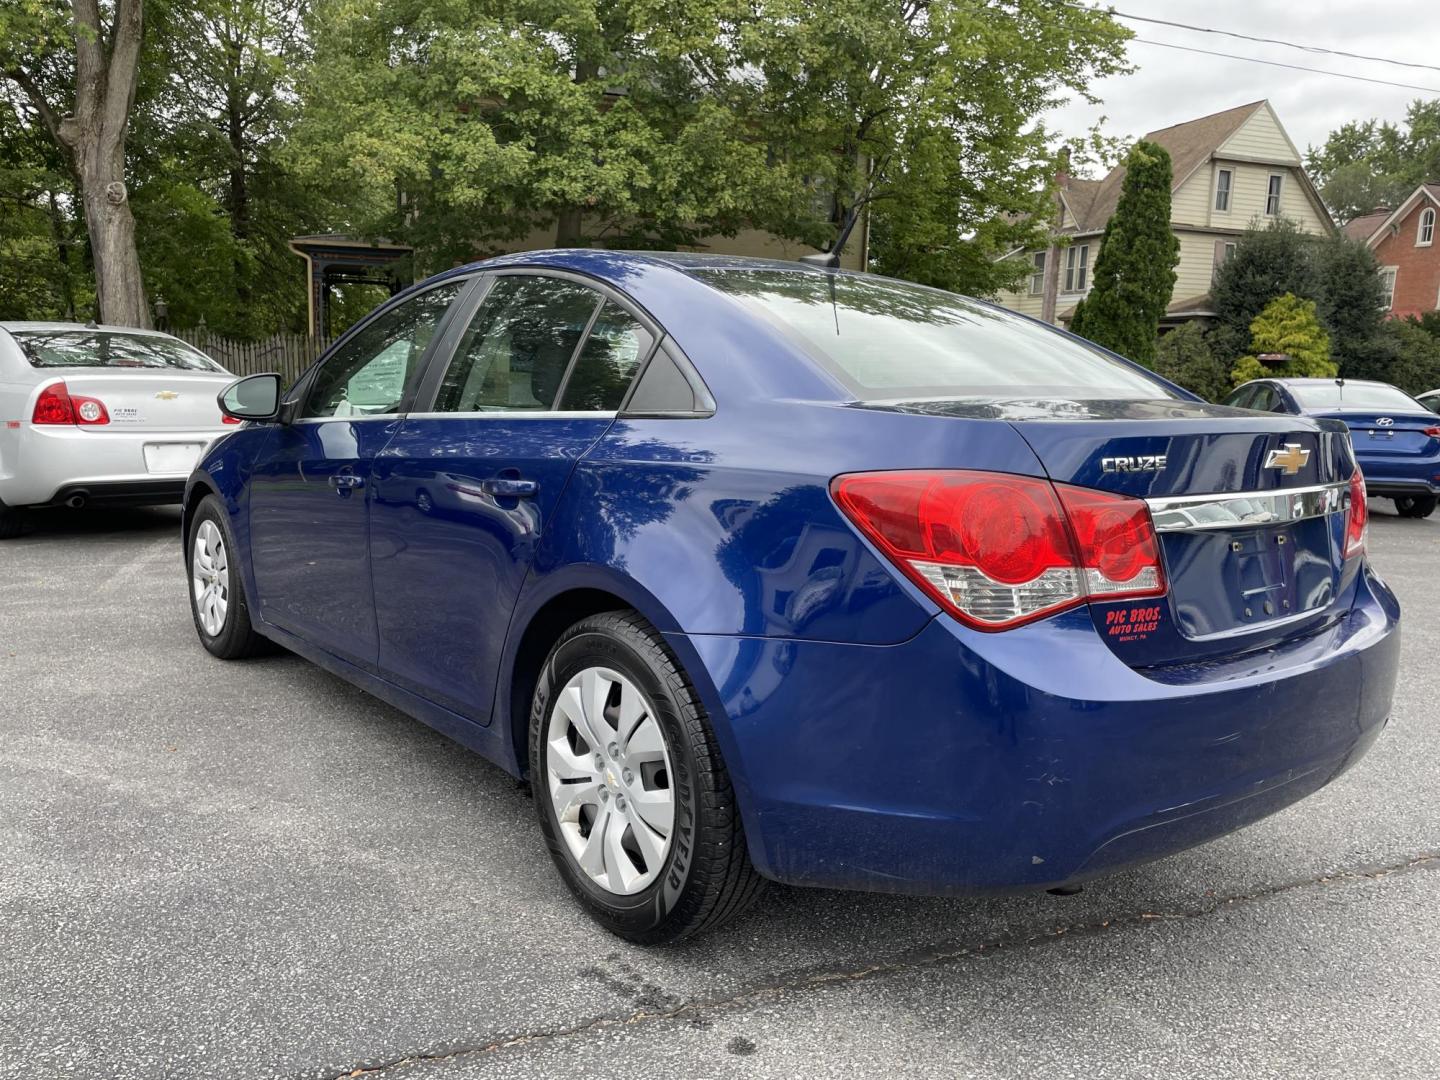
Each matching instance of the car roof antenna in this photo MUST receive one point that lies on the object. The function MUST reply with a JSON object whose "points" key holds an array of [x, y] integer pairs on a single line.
{"points": [[830, 260]]}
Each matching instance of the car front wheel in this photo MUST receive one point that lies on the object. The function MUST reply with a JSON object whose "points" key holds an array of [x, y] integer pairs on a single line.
{"points": [[217, 593], [1416, 506], [634, 800]]}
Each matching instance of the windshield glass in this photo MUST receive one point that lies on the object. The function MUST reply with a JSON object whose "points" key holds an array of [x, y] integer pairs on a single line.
{"points": [[1329, 395], [100, 348], [892, 341]]}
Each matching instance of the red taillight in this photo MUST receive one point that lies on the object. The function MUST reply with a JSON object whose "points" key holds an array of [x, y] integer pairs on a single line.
{"points": [[1433, 432], [997, 550], [56, 405], [89, 411], [1358, 516], [53, 406]]}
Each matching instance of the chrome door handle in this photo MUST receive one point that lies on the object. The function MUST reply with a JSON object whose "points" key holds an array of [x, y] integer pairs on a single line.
{"points": [[347, 481], [509, 487]]}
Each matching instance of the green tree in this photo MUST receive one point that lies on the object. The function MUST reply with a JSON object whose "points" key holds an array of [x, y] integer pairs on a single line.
{"points": [[1370, 163], [1414, 355], [1349, 299], [1267, 263], [1288, 327], [1184, 356], [75, 67], [1135, 270]]}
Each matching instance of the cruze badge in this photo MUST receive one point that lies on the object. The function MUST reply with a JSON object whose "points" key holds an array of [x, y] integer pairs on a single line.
{"points": [[1134, 463], [1289, 458]]}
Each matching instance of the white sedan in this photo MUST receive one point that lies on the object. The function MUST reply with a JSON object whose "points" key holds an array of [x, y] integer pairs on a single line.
{"points": [[100, 415]]}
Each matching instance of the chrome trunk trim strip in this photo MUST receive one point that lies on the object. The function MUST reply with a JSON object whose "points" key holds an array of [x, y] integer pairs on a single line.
{"points": [[1197, 513]]}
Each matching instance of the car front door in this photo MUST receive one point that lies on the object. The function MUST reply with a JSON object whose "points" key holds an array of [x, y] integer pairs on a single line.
{"points": [[309, 493], [464, 488]]}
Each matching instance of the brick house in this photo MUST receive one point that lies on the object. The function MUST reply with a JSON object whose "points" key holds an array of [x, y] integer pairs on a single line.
{"points": [[1232, 170], [1406, 243]]}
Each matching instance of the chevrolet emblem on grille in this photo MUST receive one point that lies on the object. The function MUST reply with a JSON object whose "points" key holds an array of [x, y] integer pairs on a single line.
{"points": [[1289, 458], [167, 395]]}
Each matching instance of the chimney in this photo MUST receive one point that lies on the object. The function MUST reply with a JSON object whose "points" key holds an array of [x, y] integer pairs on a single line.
{"points": [[1062, 167]]}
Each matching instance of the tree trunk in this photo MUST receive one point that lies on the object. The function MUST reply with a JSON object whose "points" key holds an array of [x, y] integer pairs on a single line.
{"points": [[568, 228], [120, 291]]}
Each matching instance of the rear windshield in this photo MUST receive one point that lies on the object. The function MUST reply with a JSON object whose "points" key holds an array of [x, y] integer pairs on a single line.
{"points": [[1328, 395], [99, 348], [891, 341]]}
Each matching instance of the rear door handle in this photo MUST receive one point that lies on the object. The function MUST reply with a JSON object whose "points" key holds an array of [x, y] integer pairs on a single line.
{"points": [[509, 487], [347, 481]]}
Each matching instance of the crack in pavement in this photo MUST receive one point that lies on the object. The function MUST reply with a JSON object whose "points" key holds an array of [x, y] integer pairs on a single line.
{"points": [[802, 981]]}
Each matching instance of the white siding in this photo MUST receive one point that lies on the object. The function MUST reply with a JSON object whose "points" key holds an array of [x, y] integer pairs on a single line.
{"points": [[1191, 204], [1261, 137], [1022, 302], [1197, 264], [1247, 198]]}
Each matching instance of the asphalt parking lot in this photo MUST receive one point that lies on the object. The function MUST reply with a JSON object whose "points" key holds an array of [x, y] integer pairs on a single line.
{"points": [[253, 870]]}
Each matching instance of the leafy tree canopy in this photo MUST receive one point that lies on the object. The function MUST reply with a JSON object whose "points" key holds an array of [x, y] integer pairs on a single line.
{"points": [[1184, 356], [1370, 163], [1289, 327]]}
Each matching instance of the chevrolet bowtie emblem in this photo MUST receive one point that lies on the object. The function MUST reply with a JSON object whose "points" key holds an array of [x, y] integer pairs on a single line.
{"points": [[1289, 458], [167, 395]]}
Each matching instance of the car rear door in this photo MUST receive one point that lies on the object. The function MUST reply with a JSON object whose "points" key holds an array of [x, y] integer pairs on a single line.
{"points": [[466, 486], [310, 490]]}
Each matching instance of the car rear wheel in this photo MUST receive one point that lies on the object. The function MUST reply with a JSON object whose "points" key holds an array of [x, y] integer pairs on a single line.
{"points": [[12, 522], [634, 800], [1416, 506], [217, 594]]}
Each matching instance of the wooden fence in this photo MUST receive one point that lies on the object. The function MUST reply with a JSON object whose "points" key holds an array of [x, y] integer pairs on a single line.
{"points": [[289, 354]]}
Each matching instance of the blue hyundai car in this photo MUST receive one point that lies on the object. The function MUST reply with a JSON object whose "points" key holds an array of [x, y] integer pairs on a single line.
{"points": [[1396, 438], [759, 570]]}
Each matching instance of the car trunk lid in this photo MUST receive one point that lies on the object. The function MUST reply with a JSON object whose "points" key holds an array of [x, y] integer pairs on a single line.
{"points": [[150, 401], [1389, 433]]}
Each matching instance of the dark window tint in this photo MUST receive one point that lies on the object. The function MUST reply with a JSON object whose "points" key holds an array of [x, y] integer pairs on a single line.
{"points": [[663, 388], [1240, 399], [889, 340], [1351, 395], [1265, 399], [368, 374], [615, 348], [89, 348], [516, 349]]}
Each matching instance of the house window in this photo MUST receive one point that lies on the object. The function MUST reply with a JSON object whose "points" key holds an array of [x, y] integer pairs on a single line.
{"points": [[1077, 267], [1222, 191], [1230, 250], [1387, 277], [1037, 278], [1426, 236], [1272, 196]]}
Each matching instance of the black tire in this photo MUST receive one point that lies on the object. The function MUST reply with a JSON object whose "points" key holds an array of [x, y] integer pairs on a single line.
{"points": [[237, 637], [1415, 506], [12, 522], [707, 878]]}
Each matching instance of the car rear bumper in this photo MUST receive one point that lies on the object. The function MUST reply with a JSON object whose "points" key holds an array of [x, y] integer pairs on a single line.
{"points": [[969, 762], [47, 466], [1388, 476]]}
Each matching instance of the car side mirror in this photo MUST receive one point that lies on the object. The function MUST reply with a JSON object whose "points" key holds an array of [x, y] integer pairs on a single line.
{"points": [[255, 397]]}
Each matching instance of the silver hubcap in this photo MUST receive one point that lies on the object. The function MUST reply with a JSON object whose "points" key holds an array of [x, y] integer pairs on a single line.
{"points": [[210, 577], [609, 779]]}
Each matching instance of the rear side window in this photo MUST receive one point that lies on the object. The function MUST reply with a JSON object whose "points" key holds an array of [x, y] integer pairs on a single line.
{"points": [[616, 347], [665, 390], [102, 349], [515, 352], [892, 341]]}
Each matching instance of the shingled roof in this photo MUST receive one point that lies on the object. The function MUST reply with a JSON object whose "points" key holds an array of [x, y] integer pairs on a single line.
{"points": [[1367, 227], [1190, 144]]}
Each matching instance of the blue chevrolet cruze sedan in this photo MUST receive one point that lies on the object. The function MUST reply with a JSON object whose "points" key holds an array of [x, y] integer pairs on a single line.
{"points": [[759, 570], [1396, 438]]}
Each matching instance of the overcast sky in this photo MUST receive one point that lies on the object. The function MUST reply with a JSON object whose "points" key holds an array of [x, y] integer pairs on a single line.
{"points": [[1169, 86]]}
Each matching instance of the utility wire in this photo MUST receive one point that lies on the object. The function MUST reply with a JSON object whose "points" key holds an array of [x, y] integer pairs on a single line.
{"points": [[1270, 41], [1292, 67]]}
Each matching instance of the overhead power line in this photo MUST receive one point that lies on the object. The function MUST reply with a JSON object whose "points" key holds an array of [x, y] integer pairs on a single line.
{"points": [[1273, 41], [1292, 67]]}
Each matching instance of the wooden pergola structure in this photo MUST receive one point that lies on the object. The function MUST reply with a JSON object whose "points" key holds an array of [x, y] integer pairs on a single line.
{"points": [[332, 259]]}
